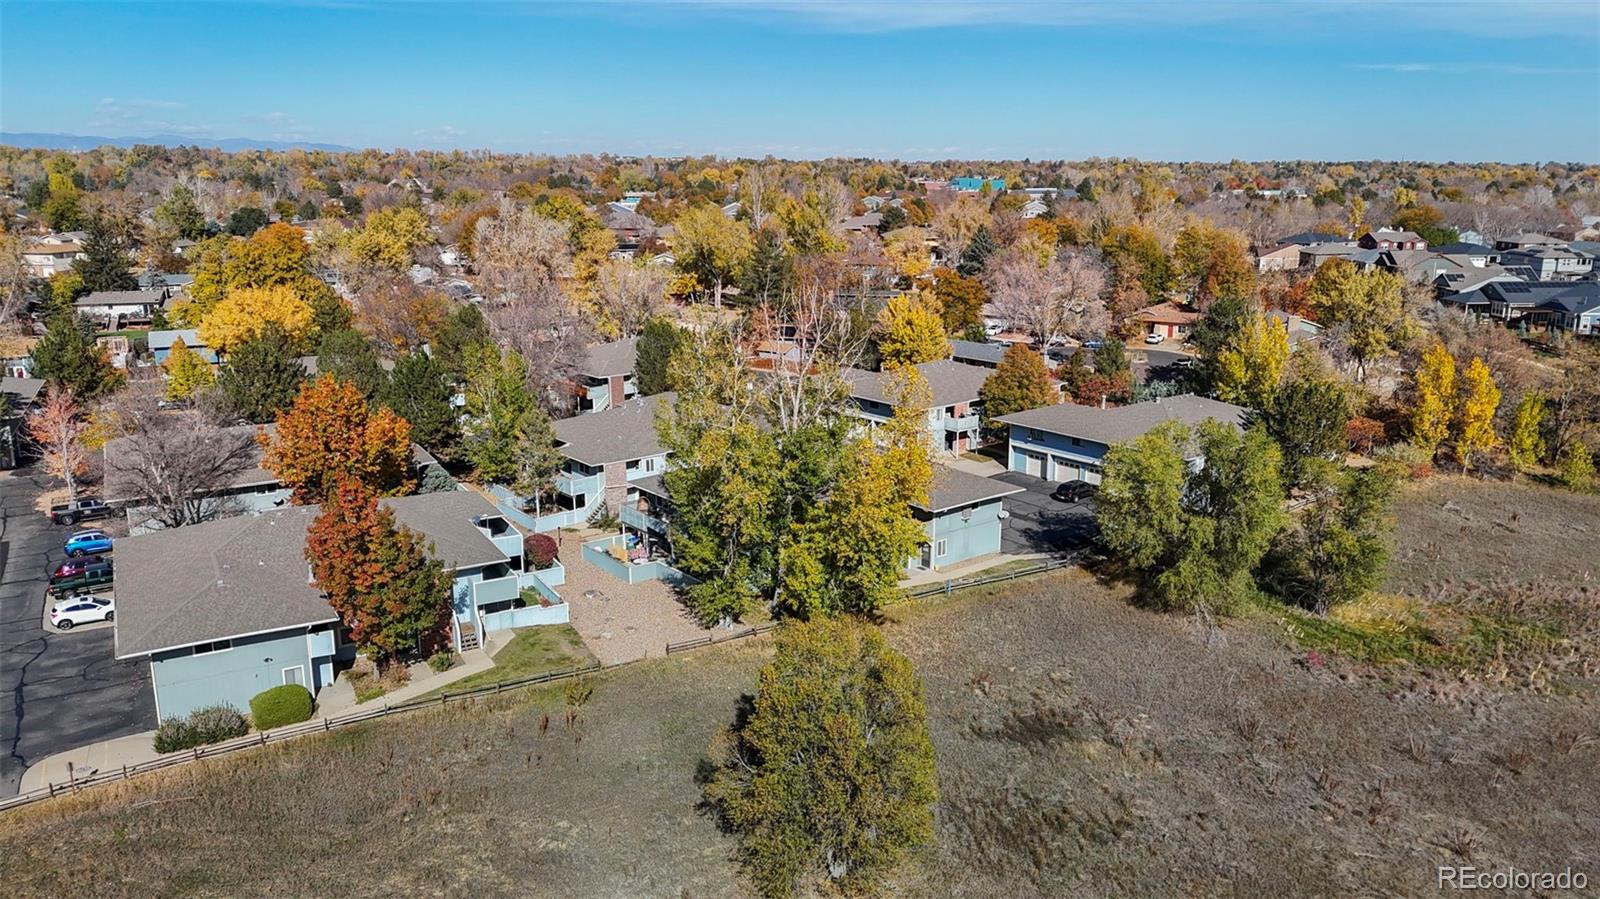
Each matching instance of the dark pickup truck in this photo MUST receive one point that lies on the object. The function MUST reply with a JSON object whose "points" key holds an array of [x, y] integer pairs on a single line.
{"points": [[91, 578], [78, 510]]}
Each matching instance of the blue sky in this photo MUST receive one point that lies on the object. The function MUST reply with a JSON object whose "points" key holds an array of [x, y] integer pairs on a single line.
{"points": [[927, 79]]}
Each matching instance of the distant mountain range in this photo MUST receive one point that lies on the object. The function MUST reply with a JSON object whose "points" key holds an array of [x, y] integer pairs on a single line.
{"points": [[89, 142]]}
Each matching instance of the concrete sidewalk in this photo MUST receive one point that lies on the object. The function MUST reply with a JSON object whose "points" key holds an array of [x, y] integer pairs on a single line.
{"points": [[967, 569], [79, 763]]}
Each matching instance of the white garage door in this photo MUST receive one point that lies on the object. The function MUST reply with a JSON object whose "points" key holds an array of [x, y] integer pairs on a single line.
{"points": [[1033, 464]]}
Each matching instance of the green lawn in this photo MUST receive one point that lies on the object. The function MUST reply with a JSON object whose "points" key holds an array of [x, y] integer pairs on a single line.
{"points": [[533, 650]]}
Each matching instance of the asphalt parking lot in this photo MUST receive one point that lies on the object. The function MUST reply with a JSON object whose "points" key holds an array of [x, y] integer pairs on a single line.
{"points": [[61, 690], [1040, 524]]}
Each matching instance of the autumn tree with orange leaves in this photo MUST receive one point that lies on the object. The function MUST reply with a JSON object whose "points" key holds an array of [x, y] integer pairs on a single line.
{"points": [[330, 434], [58, 428], [380, 578]]}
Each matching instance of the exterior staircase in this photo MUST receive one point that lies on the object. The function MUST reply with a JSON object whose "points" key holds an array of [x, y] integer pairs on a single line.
{"points": [[470, 639]]}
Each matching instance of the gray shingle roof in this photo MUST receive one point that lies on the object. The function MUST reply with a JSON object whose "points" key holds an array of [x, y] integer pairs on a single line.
{"points": [[1109, 426], [623, 432], [951, 382], [121, 455], [248, 575], [604, 360], [216, 580], [652, 485], [26, 390], [446, 520], [953, 488], [122, 298], [971, 349]]}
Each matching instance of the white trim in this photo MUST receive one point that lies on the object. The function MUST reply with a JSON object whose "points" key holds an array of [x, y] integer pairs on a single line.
{"points": [[301, 682]]}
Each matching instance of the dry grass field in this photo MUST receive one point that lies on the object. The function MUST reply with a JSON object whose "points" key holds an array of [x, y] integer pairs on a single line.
{"points": [[1085, 748]]}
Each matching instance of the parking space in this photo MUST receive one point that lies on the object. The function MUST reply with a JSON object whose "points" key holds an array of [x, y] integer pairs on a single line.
{"points": [[1040, 523], [60, 690]]}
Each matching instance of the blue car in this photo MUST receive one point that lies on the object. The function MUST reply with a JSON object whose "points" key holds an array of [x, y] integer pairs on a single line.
{"points": [[86, 543]]}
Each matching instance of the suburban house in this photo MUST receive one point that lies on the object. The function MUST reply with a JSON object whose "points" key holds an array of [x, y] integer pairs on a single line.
{"points": [[1476, 253], [1068, 442], [114, 306], [1169, 320], [977, 184], [605, 378], [1510, 301], [1315, 256], [954, 413], [1301, 330], [606, 454], [962, 518], [1279, 259], [1575, 310], [20, 394], [16, 355], [1526, 239], [161, 343], [226, 609], [1390, 239], [1550, 262], [45, 259]]}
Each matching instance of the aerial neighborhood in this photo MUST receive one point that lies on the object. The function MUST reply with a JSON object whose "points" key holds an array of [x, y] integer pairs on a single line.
{"points": [[303, 433]]}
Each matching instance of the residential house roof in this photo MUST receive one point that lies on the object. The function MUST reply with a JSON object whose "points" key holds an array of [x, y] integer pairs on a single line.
{"points": [[164, 340], [1529, 239], [1312, 238], [221, 579], [23, 390], [448, 520], [1472, 277], [158, 280], [122, 298], [1168, 313], [623, 432], [652, 485], [121, 457], [604, 360], [1393, 236], [866, 222], [1581, 297], [953, 488], [53, 249], [951, 382], [1109, 426], [971, 350], [1464, 248]]}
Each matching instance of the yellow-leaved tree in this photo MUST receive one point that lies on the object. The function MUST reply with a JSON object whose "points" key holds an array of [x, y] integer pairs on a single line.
{"points": [[1250, 366], [911, 331], [243, 314], [186, 372], [1526, 445], [907, 248], [1480, 398], [389, 237], [1436, 398]]}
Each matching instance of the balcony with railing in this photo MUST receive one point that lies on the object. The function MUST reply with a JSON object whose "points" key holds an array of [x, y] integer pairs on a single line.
{"points": [[634, 518], [968, 422]]}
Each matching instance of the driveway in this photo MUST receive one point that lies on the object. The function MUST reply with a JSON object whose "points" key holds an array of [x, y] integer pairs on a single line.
{"points": [[1039, 524], [60, 690]]}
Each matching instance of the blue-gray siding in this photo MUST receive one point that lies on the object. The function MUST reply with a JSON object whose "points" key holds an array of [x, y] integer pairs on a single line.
{"points": [[1054, 457], [966, 534], [184, 681]]}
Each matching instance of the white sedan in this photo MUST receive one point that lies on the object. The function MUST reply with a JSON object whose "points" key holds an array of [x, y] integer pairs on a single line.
{"points": [[1154, 338], [82, 610]]}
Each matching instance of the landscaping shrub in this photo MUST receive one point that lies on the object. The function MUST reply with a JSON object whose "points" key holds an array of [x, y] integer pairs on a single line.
{"points": [[203, 726], [288, 704], [540, 549], [442, 660]]}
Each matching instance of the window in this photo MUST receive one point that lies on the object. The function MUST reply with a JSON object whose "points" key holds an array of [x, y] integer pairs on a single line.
{"points": [[651, 463], [941, 549], [1077, 442], [295, 674], [1033, 434], [201, 649]]}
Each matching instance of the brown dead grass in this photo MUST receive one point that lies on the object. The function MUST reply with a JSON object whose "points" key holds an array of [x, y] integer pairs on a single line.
{"points": [[1085, 748]]}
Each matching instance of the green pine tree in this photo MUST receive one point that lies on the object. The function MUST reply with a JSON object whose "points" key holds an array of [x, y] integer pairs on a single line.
{"points": [[262, 377]]}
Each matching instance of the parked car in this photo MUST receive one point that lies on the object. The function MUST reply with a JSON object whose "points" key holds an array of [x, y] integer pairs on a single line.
{"points": [[1074, 491], [96, 576], [82, 610], [1184, 362], [86, 543], [74, 566], [86, 509], [1153, 338], [1093, 343]]}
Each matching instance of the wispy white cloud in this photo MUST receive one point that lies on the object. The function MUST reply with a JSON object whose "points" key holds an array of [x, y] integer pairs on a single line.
{"points": [[440, 134], [1543, 18], [1459, 68]]}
